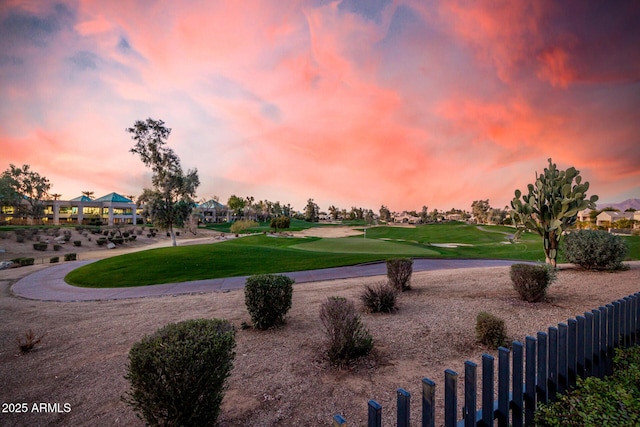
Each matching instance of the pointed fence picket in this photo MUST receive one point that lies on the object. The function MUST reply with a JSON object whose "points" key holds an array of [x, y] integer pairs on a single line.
{"points": [[550, 364]]}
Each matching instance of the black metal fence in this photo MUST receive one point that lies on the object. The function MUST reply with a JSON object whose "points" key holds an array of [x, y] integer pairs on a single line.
{"points": [[528, 374]]}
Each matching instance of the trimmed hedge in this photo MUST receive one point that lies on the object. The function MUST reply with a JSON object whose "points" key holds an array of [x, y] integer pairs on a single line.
{"points": [[532, 281], [595, 249], [268, 298], [177, 375]]}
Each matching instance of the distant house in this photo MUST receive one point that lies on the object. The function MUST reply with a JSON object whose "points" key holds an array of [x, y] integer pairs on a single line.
{"points": [[606, 218], [405, 218], [584, 215], [213, 211]]}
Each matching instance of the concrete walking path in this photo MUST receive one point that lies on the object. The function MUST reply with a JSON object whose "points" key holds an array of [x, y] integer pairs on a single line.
{"points": [[49, 285]]}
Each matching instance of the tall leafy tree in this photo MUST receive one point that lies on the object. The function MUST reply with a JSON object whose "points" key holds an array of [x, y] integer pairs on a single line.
{"points": [[551, 206], [170, 202], [25, 190], [311, 211], [236, 204], [385, 214], [481, 210]]}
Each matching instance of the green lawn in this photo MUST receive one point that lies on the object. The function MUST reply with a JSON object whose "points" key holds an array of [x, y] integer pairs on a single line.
{"points": [[266, 254], [359, 245]]}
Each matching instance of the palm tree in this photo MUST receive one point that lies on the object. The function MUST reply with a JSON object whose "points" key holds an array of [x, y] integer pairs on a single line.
{"points": [[56, 196], [89, 194]]}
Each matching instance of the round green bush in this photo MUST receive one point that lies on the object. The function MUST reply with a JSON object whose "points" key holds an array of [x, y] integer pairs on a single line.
{"points": [[595, 249], [177, 375], [531, 281], [268, 298], [490, 330]]}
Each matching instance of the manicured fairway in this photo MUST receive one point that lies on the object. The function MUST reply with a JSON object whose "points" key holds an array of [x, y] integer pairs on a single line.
{"points": [[359, 245], [266, 254], [240, 257]]}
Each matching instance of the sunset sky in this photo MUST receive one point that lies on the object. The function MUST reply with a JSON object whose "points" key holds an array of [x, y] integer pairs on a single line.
{"points": [[352, 103]]}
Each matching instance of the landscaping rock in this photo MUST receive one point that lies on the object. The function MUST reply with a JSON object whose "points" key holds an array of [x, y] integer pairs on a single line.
{"points": [[111, 245]]}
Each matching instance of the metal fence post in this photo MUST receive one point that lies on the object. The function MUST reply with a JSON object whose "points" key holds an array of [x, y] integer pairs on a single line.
{"points": [[338, 421], [470, 405], [530, 381], [428, 403], [404, 408], [517, 401], [541, 388], [595, 369], [450, 398], [375, 414], [588, 344], [572, 330], [487, 389], [552, 374], [504, 374], [563, 355]]}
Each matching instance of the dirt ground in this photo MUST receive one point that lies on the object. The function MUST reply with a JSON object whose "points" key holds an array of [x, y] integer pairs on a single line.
{"points": [[280, 376]]}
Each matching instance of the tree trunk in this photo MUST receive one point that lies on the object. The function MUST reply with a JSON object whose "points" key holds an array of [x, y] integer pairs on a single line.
{"points": [[173, 236], [551, 248]]}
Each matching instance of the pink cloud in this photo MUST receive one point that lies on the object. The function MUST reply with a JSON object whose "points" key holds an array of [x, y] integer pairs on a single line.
{"points": [[437, 104]]}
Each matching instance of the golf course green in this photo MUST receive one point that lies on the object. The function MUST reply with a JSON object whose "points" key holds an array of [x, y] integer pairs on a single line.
{"points": [[266, 253]]}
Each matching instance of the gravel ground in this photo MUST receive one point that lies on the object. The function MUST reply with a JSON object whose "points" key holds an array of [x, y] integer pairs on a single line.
{"points": [[280, 376]]}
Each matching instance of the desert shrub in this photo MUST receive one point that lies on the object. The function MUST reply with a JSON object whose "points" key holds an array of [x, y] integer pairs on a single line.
{"points": [[347, 336], [40, 246], [490, 330], [531, 281], [399, 272], [242, 225], [28, 341], [379, 298], [268, 299], [101, 241], [280, 222], [20, 236], [77, 243], [177, 375], [54, 259], [595, 249], [613, 401], [126, 234], [132, 237], [70, 257], [26, 261], [57, 247]]}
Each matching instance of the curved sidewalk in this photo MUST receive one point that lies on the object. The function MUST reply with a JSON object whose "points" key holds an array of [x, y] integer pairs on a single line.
{"points": [[49, 284]]}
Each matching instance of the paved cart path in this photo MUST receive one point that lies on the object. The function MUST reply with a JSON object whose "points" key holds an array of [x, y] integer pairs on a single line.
{"points": [[49, 285]]}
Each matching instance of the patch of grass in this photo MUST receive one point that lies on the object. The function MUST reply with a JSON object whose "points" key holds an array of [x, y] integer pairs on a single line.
{"points": [[364, 246], [239, 257]]}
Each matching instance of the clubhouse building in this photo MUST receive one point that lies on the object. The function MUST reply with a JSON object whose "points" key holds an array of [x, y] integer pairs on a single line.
{"points": [[111, 209]]}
